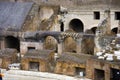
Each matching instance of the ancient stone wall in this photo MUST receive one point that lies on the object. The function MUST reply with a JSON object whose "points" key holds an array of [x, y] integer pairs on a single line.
{"points": [[100, 65], [25, 45], [67, 68], [43, 64], [69, 45]]}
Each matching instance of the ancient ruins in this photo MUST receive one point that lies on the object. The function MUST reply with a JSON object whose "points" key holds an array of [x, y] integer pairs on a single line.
{"points": [[78, 38]]}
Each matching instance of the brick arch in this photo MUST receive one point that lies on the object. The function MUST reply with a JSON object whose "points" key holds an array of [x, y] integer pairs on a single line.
{"points": [[50, 43], [76, 25], [42, 35], [69, 44]]}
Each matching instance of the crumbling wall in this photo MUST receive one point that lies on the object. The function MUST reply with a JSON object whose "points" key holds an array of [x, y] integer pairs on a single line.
{"points": [[97, 64], [49, 18], [88, 45], [41, 17], [50, 43], [32, 20], [69, 45], [24, 46], [67, 68], [25, 64]]}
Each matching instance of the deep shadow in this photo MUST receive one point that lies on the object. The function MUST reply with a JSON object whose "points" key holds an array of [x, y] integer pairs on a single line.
{"points": [[76, 25], [115, 30], [94, 29], [12, 42], [62, 27], [99, 74], [115, 74]]}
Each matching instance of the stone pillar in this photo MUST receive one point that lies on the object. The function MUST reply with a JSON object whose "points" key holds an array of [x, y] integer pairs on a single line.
{"points": [[108, 24], [90, 69], [107, 72], [60, 46], [23, 47], [79, 43], [2, 43], [118, 27], [118, 34], [41, 45]]}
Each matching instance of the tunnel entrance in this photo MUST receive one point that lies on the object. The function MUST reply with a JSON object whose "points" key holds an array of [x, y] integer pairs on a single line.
{"points": [[12, 42], [76, 25]]}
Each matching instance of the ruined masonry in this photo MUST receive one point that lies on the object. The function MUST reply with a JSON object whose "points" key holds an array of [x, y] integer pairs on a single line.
{"points": [[61, 37]]}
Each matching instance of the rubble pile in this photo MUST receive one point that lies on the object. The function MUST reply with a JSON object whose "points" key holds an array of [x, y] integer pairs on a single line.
{"points": [[110, 53]]}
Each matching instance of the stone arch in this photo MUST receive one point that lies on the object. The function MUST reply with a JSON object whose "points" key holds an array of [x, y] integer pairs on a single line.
{"points": [[115, 30], [76, 25], [12, 42], [69, 44], [50, 43], [93, 29]]}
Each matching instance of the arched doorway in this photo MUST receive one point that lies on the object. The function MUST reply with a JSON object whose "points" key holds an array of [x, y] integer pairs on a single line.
{"points": [[12, 42], [76, 25], [115, 30]]}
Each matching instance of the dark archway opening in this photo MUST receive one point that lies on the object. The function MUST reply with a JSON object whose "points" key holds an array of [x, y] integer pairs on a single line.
{"points": [[62, 27], [115, 30], [94, 29], [34, 66], [80, 71], [76, 25], [12, 42], [115, 74], [99, 74]]}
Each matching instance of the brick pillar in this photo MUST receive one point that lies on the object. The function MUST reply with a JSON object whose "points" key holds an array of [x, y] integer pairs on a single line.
{"points": [[108, 24], [118, 34], [79, 43], [90, 69], [60, 46], [107, 72], [118, 27], [2, 43], [41, 45], [23, 47]]}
